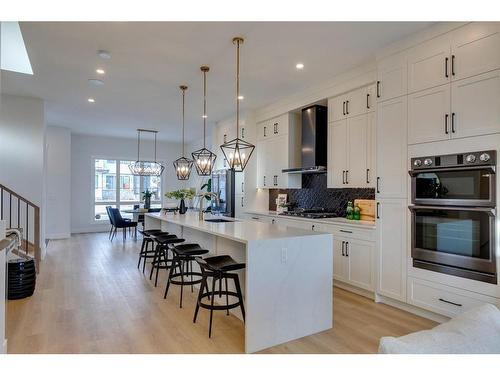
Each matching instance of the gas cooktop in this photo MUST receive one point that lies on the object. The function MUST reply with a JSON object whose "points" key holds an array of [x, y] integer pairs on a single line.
{"points": [[310, 213]]}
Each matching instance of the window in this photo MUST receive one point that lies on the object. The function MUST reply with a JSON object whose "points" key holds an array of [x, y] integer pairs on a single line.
{"points": [[115, 186]]}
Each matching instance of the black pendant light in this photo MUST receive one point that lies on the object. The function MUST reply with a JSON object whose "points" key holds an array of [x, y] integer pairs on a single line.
{"points": [[237, 151], [183, 165], [142, 167], [203, 158]]}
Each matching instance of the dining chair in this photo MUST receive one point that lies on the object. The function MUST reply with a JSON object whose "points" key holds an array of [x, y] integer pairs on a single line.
{"points": [[120, 222]]}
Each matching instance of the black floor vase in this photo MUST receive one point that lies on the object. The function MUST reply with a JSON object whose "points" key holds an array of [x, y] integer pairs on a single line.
{"points": [[182, 207]]}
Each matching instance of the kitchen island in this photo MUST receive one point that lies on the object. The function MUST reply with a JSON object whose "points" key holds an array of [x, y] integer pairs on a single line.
{"points": [[287, 283]]}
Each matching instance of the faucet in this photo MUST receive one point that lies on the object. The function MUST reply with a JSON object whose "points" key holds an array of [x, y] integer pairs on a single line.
{"points": [[203, 195]]}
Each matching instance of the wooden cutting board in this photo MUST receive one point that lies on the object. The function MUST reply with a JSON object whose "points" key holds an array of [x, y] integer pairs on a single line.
{"points": [[367, 207]]}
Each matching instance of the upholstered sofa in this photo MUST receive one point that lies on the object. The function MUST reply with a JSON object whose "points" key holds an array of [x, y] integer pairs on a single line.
{"points": [[474, 331]]}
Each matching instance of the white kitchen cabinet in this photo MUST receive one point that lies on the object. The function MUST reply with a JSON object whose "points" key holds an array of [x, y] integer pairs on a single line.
{"points": [[392, 77], [337, 148], [429, 115], [336, 108], [340, 266], [350, 158], [429, 64], [392, 148], [392, 247], [351, 104], [239, 205], [475, 105], [274, 127], [475, 49], [278, 152]]}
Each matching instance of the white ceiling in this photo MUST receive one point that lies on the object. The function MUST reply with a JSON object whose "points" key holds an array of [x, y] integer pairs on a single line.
{"points": [[151, 59]]}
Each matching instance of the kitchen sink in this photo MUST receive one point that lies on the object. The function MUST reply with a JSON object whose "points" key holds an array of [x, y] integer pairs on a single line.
{"points": [[219, 221]]}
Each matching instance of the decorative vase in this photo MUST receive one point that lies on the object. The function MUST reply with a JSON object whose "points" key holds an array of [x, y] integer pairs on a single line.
{"points": [[147, 202], [182, 207]]}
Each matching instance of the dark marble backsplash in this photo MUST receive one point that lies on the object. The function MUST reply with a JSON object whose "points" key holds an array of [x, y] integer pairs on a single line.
{"points": [[314, 193]]}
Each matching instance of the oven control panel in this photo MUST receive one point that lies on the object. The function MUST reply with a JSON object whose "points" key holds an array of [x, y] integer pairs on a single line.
{"points": [[454, 160]]}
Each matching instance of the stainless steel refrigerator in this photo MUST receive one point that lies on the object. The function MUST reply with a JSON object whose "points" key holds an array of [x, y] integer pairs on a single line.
{"points": [[223, 181]]}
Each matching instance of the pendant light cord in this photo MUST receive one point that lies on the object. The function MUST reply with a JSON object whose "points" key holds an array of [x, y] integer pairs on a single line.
{"points": [[138, 143], [155, 147], [237, 88], [183, 94], [204, 107]]}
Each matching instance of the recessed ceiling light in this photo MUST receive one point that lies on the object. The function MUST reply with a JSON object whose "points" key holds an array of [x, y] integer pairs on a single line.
{"points": [[91, 100], [104, 54], [96, 82], [100, 71], [204, 116], [241, 97], [299, 66]]}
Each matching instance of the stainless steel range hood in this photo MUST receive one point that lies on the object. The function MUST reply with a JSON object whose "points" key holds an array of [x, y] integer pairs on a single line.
{"points": [[314, 141]]}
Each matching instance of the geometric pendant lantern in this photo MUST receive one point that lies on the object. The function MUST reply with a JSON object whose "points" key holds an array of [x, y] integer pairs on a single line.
{"points": [[237, 151], [183, 165], [204, 159], [142, 167]]}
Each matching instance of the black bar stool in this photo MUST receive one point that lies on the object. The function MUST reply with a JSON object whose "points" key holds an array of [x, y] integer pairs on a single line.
{"points": [[145, 253], [161, 259], [218, 268], [184, 255]]}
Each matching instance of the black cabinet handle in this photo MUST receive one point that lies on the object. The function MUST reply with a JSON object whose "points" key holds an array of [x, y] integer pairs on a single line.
{"points": [[343, 108], [345, 231], [446, 123], [343, 253], [275, 128], [347, 107], [272, 221], [368, 101], [242, 133], [265, 128], [242, 187], [378, 181], [347, 249], [225, 138], [343, 177], [378, 89], [347, 177], [446, 67], [453, 122], [452, 65], [378, 205], [255, 218], [367, 176], [242, 202], [451, 303], [264, 180], [312, 227]]}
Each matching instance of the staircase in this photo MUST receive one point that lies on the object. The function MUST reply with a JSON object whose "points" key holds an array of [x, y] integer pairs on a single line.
{"points": [[23, 215]]}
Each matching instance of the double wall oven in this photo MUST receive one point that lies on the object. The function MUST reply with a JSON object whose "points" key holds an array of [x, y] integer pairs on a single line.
{"points": [[453, 214]]}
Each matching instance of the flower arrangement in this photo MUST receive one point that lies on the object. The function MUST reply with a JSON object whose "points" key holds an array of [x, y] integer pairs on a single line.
{"points": [[181, 194]]}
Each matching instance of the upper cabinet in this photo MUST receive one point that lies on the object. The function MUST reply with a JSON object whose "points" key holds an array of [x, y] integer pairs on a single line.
{"points": [[392, 77], [278, 148], [351, 104], [463, 53]]}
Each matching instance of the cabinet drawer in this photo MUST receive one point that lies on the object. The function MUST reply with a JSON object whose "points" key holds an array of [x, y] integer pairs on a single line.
{"points": [[443, 299], [350, 232]]}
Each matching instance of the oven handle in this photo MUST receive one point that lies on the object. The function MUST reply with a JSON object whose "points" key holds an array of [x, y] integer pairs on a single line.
{"points": [[472, 168], [489, 210]]}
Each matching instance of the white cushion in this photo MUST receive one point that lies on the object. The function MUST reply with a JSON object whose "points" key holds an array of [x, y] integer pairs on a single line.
{"points": [[475, 331]]}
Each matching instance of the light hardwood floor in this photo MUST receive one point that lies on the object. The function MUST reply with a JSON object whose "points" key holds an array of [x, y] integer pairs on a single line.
{"points": [[91, 298]]}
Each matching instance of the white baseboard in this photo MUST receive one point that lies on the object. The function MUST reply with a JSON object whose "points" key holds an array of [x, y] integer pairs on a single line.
{"points": [[411, 309], [58, 236], [97, 229], [4, 347], [353, 289]]}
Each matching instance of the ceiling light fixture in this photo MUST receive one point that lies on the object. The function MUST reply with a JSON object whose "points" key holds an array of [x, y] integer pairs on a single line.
{"points": [[100, 71], [91, 100], [299, 66], [183, 165], [96, 82], [237, 151], [241, 97], [104, 54], [204, 159], [142, 167]]}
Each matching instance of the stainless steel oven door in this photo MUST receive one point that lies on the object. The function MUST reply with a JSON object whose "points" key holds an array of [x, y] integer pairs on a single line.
{"points": [[455, 240], [466, 186]]}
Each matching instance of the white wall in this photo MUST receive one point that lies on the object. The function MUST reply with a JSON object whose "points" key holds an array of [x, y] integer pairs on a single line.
{"points": [[84, 148], [58, 182], [22, 132]]}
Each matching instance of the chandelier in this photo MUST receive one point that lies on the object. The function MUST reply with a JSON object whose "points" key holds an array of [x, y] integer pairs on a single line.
{"points": [[203, 158], [183, 165], [142, 167], [237, 151]]}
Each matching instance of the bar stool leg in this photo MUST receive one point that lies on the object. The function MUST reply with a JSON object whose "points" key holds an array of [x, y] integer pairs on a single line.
{"points": [[182, 279], [212, 307], [200, 294], [158, 265], [146, 251], [190, 264], [157, 249], [227, 295], [141, 253]]}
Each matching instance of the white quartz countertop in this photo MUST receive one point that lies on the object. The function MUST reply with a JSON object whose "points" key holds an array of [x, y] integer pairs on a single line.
{"points": [[237, 229], [335, 220]]}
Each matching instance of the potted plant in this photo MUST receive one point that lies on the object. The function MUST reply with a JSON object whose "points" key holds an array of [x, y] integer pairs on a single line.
{"points": [[147, 198], [181, 194]]}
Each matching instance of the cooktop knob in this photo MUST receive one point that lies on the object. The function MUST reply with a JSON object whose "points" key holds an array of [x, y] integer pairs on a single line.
{"points": [[471, 158], [417, 163], [428, 162], [484, 157]]}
